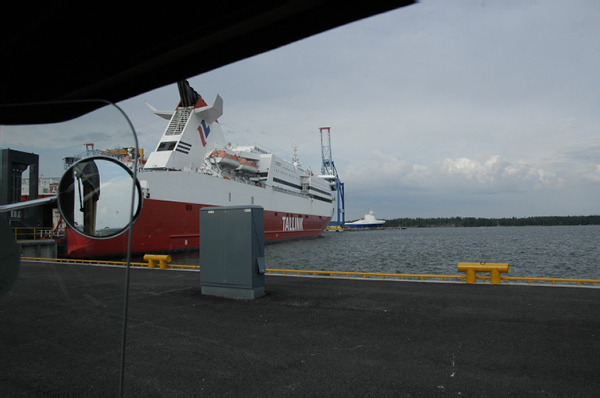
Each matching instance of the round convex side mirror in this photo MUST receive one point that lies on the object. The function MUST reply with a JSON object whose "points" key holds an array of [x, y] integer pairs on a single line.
{"points": [[94, 197]]}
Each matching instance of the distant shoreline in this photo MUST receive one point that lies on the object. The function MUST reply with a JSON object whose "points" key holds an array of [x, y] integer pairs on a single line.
{"points": [[492, 222]]}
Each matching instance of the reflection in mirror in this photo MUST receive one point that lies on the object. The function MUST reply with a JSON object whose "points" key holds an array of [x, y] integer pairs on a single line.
{"points": [[93, 197]]}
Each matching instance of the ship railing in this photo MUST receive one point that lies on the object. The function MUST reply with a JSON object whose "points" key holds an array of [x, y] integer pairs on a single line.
{"points": [[290, 192], [32, 233]]}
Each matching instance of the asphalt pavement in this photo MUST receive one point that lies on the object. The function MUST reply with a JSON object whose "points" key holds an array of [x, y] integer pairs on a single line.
{"points": [[62, 327]]}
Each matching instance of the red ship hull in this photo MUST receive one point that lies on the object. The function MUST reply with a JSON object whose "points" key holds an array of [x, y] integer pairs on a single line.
{"points": [[165, 226]]}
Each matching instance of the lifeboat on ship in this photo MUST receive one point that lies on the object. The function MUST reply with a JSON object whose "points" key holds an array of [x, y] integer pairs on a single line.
{"points": [[224, 159], [247, 166]]}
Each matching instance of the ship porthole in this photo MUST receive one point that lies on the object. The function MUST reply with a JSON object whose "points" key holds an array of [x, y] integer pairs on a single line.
{"points": [[186, 242]]}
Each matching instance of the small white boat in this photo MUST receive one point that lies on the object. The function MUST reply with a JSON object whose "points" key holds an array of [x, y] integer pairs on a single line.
{"points": [[368, 221]]}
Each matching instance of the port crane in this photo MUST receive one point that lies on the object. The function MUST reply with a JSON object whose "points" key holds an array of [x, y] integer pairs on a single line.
{"points": [[122, 154], [330, 173]]}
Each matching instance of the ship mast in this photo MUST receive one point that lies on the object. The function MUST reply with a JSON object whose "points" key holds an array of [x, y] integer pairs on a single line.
{"points": [[297, 163], [329, 172]]}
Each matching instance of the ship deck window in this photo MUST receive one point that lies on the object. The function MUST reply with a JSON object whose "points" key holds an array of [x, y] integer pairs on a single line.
{"points": [[166, 146]]}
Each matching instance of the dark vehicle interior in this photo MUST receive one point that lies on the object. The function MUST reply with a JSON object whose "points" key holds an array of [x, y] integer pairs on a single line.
{"points": [[64, 51]]}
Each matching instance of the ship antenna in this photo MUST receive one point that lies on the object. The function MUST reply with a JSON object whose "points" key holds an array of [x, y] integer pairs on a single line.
{"points": [[296, 162]]}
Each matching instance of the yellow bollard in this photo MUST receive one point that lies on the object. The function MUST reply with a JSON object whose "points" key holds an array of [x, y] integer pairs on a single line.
{"points": [[161, 258], [151, 263], [493, 268], [471, 276], [495, 276]]}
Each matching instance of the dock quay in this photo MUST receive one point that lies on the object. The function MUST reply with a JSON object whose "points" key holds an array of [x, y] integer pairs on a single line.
{"points": [[62, 330]]}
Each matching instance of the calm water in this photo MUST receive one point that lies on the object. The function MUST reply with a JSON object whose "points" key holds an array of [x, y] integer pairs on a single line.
{"points": [[565, 252]]}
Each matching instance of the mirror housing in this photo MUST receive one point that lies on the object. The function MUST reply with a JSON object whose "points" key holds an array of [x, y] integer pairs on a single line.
{"points": [[94, 197]]}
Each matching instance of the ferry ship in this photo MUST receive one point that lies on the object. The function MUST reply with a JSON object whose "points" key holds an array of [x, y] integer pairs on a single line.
{"points": [[192, 167], [368, 221]]}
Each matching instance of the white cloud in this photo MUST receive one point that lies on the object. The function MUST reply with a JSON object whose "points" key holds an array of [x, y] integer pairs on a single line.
{"points": [[593, 175], [499, 174], [379, 170]]}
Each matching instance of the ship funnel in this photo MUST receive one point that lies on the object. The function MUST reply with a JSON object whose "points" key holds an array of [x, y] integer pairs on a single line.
{"points": [[188, 96]]}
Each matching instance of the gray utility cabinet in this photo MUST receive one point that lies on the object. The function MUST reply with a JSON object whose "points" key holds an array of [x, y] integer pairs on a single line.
{"points": [[232, 244]]}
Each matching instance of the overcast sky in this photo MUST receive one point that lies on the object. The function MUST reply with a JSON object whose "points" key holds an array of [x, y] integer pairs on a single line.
{"points": [[474, 108]]}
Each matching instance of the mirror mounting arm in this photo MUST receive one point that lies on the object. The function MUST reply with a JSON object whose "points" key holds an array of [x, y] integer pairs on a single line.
{"points": [[26, 204]]}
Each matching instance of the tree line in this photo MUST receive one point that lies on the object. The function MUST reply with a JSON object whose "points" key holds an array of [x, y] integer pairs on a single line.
{"points": [[491, 222]]}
